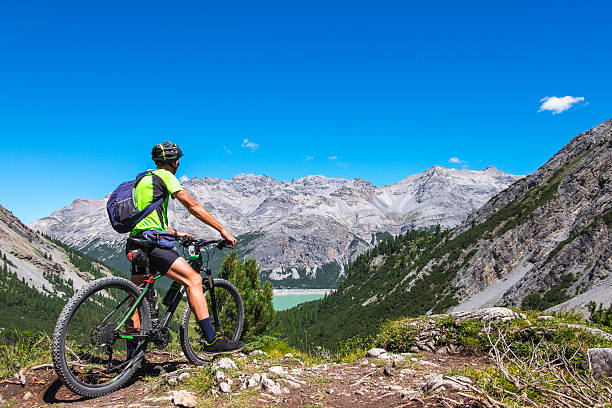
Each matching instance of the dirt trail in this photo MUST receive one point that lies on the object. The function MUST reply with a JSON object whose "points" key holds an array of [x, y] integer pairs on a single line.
{"points": [[363, 383]]}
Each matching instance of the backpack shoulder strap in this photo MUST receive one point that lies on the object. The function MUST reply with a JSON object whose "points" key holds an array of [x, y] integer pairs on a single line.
{"points": [[155, 205], [140, 176], [164, 195]]}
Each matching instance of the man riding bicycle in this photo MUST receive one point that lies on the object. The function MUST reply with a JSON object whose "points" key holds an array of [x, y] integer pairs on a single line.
{"points": [[162, 182]]}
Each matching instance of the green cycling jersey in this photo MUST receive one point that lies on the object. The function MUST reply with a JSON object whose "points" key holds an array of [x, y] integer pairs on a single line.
{"points": [[151, 189]]}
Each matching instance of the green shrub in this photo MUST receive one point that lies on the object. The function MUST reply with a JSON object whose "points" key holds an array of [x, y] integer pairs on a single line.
{"points": [[397, 336], [600, 315], [353, 347], [555, 295]]}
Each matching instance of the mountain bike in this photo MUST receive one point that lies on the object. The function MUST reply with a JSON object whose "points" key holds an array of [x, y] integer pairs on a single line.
{"points": [[104, 330]]}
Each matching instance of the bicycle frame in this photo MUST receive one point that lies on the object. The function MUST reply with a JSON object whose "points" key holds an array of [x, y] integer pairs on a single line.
{"points": [[196, 263]]}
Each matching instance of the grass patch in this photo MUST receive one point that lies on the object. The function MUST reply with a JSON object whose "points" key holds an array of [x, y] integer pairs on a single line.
{"points": [[276, 348], [200, 382], [10, 403], [22, 350], [322, 380]]}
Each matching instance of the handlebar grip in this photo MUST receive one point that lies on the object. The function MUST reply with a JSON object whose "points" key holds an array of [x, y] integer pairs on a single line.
{"points": [[223, 244]]}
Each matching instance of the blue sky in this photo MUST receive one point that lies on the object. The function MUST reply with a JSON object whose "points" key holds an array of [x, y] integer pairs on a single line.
{"points": [[387, 88]]}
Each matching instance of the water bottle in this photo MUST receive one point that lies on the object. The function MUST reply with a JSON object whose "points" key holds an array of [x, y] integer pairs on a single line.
{"points": [[171, 294]]}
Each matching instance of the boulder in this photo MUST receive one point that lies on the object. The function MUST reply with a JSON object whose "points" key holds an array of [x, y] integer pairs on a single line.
{"points": [[225, 388], [277, 370], [185, 398], [224, 363], [375, 352], [270, 386], [599, 360], [438, 382], [254, 381]]}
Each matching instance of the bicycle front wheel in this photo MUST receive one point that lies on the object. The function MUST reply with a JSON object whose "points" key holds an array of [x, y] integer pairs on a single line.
{"points": [[230, 311], [93, 346]]}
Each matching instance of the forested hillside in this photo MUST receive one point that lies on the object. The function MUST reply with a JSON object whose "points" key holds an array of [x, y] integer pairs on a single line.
{"points": [[37, 276], [25, 308], [369, 294]]}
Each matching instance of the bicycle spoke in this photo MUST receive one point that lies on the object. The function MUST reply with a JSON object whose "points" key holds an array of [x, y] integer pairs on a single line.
{"points": [[230, 312]]}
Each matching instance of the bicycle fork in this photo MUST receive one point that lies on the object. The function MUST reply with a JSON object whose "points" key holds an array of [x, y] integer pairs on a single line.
{"points": [[213, 300]]}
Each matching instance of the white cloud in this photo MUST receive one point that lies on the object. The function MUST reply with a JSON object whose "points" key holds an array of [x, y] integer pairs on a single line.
{"points": [[250, 145], [558, 105], [228, 151], [332, 158], [308, 158], [455, 160]]}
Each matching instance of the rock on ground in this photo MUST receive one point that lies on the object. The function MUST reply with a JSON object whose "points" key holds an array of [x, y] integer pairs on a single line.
{"points": [[375, 352], [600, 361], [224, 363], [437, 381], [225, 387], [277, 370], [490, 314], [271, 386], [185, 398]]}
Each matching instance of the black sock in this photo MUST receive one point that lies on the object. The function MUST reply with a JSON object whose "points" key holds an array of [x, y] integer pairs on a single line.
{"points": [[207, 328]]}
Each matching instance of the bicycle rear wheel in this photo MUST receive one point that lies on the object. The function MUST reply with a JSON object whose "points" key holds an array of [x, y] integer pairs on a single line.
{"points": [[89, 352], [230, 310]]}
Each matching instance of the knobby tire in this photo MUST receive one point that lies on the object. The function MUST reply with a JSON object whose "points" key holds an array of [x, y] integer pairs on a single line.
{"points": [[189, 335], [59, 349]]}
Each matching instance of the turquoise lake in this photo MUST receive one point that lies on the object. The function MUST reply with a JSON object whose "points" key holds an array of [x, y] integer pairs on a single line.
{"points": [[286, 301]]}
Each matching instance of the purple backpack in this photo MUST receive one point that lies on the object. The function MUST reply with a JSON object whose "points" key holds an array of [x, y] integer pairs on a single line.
{"points": [[121, 206]]}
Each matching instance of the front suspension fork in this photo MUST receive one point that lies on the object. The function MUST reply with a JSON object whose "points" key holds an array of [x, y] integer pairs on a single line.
{"points": [[213, 300]]}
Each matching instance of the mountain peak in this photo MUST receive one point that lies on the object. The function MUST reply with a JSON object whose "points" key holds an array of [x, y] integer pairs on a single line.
{"points": [[491, 169]]}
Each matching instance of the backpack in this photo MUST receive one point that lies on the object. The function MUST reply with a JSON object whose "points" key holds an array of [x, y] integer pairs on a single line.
{"points": [[121, 206]]}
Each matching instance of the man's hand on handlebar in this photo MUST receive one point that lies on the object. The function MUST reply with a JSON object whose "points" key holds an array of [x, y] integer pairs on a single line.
{"points": [[188, 241], [182, 235], [228, 237]]}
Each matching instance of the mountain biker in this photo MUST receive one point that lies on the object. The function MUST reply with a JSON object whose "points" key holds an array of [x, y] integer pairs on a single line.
{"points": [[162, 182]]}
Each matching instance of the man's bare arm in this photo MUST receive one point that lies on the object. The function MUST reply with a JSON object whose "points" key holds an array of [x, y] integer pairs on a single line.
{"points": [[201, 214]]}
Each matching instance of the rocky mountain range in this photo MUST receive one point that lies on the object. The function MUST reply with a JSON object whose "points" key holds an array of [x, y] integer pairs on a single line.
{"points": [[302, 232]]}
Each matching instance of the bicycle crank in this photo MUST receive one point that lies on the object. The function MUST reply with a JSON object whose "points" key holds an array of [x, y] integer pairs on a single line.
{"points": [[161, 338]]}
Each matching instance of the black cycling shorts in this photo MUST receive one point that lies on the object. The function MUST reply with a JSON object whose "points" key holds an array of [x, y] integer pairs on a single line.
{"points": [[160, 260]]}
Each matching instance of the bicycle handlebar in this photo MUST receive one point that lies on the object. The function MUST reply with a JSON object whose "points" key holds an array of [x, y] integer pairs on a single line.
{"points": [[200, 242]]}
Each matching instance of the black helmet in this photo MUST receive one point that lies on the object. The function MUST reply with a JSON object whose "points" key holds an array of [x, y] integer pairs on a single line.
{"points": [[166, 152]]}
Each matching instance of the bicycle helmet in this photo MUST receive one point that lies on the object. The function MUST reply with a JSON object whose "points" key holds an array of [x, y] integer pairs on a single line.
{"points": [[166, 151]]}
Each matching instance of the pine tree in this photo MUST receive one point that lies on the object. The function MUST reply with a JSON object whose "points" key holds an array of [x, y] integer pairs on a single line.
{"points": [[258, 307]]}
